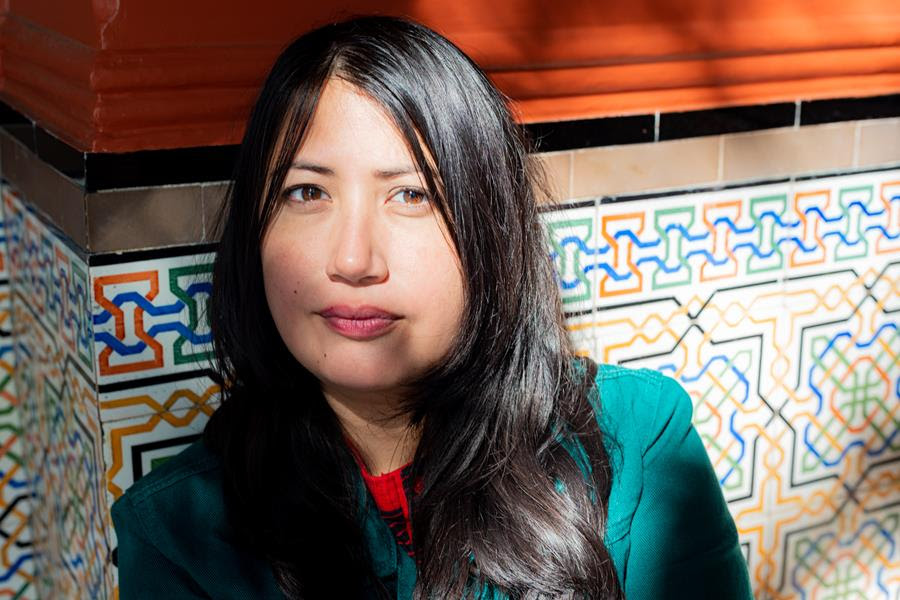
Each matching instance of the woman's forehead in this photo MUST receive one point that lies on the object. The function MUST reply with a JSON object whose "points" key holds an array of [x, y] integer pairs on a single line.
{"points": [[349, 130]]}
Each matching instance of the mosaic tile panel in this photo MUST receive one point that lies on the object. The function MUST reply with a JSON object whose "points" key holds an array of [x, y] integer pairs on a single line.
{"points": [[137, 440], [149, 317], [776, 308], [53, 378], [136, 445], [17, 567], [113, 378], [152, 348], [773, 305]]}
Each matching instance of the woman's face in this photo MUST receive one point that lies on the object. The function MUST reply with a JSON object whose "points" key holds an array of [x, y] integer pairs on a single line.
{"points": [[362, 281]]}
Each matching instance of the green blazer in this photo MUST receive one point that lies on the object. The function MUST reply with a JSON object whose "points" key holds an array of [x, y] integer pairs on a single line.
{"points": [[670, 533]]}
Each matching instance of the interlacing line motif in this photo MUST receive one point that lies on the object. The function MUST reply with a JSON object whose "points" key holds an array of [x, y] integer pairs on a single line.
{"points": [[776, 308]]}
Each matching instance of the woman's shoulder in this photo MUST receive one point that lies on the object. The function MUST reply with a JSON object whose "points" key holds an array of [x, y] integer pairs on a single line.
{"points": [[183, 492], [642, 413], [193, 474], [174, 519], [639, 406], [665, 492]]}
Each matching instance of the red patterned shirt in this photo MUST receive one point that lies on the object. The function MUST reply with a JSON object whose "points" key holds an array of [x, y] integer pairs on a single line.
{"points": [[391, 492]]}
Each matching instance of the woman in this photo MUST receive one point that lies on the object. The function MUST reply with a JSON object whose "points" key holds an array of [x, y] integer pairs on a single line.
{"points": [[404, 416]]}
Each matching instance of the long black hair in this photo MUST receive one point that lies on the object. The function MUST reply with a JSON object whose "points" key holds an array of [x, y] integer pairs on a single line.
{"points": [[503, 502]]}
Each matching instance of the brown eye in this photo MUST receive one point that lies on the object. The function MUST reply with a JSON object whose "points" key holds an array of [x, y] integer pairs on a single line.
{"points": [[411, 197], [304, 193]]}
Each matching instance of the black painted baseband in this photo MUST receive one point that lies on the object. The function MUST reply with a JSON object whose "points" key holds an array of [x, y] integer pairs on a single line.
{"points": [[588, 133], [102, 171], [717, 121], [114, 258]]}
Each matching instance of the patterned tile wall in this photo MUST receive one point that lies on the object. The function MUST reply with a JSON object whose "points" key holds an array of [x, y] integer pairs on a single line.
{"points": [[777, 308], [152, 350], [152, 346], [17, 568], [113, 378], [59, 422]]}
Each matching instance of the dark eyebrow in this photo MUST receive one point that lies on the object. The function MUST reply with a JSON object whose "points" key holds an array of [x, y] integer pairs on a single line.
{"points": [[380, 174], [304, 166], [392, 173]]}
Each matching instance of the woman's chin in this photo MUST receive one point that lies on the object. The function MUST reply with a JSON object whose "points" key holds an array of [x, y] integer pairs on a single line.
{"points": [[361, 377]]}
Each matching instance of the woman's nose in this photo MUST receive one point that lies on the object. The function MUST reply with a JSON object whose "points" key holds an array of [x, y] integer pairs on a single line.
{"points": [[357, 257]]}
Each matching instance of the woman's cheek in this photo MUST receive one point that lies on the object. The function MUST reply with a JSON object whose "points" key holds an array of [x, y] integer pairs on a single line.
{"points": [[435, 288], [286, 277]]}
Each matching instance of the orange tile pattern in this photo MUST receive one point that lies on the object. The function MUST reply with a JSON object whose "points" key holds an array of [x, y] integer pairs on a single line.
{"points": [[776, 307]]}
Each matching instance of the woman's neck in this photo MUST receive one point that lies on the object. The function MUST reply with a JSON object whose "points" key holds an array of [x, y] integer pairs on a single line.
{"points": [[383, 440]]}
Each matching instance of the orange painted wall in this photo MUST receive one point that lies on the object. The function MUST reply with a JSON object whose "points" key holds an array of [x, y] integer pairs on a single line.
{"points": [[114, 75]]}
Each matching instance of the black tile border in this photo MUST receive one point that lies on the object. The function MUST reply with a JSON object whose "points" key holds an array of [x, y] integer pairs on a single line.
{"points": [[102, 171], [98, 171], [815, 112], [718, 121], [115, 258], [60, 155], [701, 189], [589, 133], [119, 386], [147, 168], [549, 207]]}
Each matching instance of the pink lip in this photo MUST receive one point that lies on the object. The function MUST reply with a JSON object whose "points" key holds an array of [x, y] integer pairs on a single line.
{"points": [[359, 323]]}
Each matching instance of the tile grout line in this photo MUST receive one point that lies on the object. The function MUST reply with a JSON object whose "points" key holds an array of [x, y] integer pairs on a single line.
{"points": [[720, 169], [571, 191], [203, 212], [857, 136]]}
